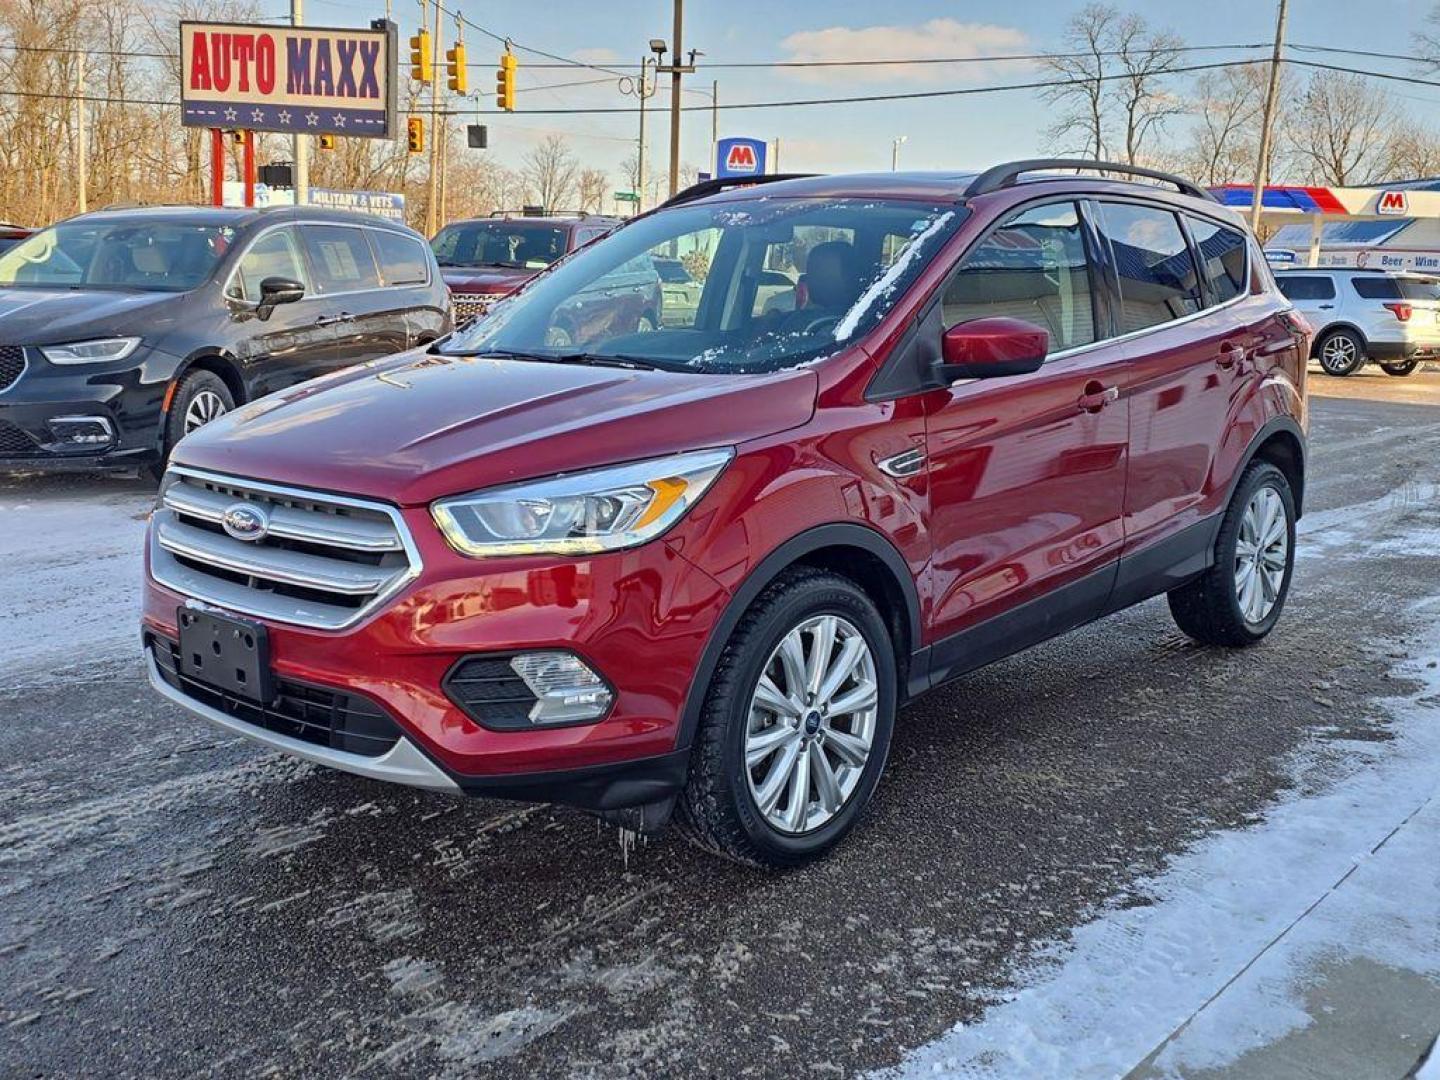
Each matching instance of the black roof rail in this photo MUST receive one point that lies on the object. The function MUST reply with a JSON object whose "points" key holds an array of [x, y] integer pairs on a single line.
{"points": [[1003, 176], [723, 183]]}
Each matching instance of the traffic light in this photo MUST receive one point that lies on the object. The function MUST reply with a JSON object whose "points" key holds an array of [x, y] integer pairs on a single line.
{"points": [[505, 82], [327, 142], [420, 57], [415, 133], [455, 68]]}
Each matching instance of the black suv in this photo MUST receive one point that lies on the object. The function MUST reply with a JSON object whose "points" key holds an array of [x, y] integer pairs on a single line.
{"points": [[123, 330]]}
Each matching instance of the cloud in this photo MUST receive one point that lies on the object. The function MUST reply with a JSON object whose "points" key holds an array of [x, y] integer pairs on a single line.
{"points": [[935, 38]]}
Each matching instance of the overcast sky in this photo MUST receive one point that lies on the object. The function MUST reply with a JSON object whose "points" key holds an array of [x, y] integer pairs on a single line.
{"points": [[944, 133]]}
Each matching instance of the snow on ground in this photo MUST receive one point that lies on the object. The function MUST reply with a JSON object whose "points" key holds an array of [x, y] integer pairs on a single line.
{"points": [[1260, 941], [78, 600]]}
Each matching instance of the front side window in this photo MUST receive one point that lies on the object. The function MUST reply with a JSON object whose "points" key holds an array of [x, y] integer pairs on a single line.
{"points": [[150, 256], [1158, 283], [402, 258], [771, 283], [1222, 257], [1035, 268], [340, 258], [276, 254], [1296, 287]]}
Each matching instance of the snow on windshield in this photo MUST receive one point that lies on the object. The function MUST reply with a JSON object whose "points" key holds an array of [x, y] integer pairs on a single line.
{"points": [[884, 285]]}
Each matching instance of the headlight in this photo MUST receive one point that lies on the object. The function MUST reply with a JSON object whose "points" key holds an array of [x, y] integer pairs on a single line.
{"points": [[582, 513], [91, 352]]}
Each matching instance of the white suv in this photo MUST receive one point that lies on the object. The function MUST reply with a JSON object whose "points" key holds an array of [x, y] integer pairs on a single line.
{"points": [[1361, 315]]}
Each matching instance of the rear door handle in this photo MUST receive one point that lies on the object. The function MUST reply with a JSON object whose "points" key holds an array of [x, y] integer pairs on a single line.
{"points": [[1326, 307], [1096, 397], [331, 320]]}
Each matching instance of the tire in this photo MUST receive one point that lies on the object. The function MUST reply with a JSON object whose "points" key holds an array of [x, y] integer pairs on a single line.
{"points": [[199, 397], [646, 324], [1341, 353], [1400, 369], [1210, 608], [721, 808]]}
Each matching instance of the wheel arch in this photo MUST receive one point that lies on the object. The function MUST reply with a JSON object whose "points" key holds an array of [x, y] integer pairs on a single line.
{"points": [[1282, 443], [1332, 328], [217, 364], [857, 552]]}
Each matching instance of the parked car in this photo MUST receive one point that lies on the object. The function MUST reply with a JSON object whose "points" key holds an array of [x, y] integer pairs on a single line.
{"points": [[699, 569], [680, 292], [10, 235], [125, 330], [484, 259], [1363, 315]]}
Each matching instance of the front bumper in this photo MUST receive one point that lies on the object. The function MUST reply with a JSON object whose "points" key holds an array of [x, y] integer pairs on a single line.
{"points": [[50, 416], [640, 618]]}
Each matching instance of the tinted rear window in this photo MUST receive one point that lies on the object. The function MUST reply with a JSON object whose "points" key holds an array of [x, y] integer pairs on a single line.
{"points": [[402, 258], [1158, 282], [1390, 288], [340, 258], [1306, 288]]}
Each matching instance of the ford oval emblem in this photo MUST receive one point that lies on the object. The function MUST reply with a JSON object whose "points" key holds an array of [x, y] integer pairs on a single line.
{"points": [[245, 521]]}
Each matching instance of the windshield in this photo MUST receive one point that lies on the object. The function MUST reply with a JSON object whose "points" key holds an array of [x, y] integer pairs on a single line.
{"points": [[513, 244], [159, 256], [780, 282]]}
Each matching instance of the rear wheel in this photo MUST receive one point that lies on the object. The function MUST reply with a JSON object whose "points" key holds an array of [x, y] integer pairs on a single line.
{"points": [[1239, 599], [1400, 368], [1342, 352], [796, 725]]}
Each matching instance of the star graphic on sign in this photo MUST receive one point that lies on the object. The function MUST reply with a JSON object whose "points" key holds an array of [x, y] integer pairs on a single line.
{"points": [[312, 118], [284, 116], [230, 115], [339, 120], [256, 116]]}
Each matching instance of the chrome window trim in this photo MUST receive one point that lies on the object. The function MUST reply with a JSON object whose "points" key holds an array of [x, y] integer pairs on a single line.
{"points": [[402, 531], [382, 287], [24, 367]]}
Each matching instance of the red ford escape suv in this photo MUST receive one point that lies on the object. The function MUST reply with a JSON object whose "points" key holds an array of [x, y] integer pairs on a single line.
{"points": [[698, 568]]}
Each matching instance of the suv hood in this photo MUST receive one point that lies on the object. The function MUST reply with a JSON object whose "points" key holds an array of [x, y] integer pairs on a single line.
{"points": [[418, 426], [52, 316], [485, 279]]}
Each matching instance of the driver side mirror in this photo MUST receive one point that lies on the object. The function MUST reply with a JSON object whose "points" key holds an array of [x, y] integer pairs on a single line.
{"points": [[277, 290], [990, 348]]}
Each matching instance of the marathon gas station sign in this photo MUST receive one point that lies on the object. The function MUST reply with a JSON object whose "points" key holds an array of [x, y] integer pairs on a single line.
{"points": [[291, 79]]}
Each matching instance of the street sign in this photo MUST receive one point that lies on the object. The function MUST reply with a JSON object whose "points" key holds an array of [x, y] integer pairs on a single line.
{"points": [[315, 80], [626, 196], [740, 157]]}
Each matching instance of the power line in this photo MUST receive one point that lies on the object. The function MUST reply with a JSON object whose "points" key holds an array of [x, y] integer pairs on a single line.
{"points": [[1005, 58]]}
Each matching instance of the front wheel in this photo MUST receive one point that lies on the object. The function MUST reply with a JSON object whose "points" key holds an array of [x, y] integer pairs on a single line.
{"points": [[1342, 352], [796, 724], [199, 397], [1400, 368], [1239, 599]]}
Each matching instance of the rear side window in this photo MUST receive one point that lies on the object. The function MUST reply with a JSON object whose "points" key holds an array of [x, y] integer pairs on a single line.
{"points": [[403, 259], [1034, 267], [1222, 257], [1306, 288], [1379, 287], [1158, 282], [340, 258], [276, 254]]}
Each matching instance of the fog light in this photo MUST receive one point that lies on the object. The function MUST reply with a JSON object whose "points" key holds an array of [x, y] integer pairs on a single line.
{"points": [[567, 691], [81, 431]]}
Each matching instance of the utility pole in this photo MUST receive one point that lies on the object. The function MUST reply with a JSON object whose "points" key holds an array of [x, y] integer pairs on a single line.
{"points": [[301, 141], [81, 150], [1267, 123], [714, 124], [675, 71], [640, 154], [431, 222], [895, 151]]}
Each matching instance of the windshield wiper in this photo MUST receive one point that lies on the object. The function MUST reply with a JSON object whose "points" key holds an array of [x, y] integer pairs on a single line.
{"points": [[634, 363]]}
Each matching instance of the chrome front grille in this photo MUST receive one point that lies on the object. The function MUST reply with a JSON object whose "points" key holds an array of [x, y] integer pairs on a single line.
{"points": [[324, 561], [468, 306]]}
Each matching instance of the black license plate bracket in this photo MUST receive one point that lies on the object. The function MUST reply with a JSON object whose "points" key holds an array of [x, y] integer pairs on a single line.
{"points": [[226, 654]]}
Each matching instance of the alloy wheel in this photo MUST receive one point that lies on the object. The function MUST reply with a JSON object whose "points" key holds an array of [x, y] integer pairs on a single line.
{"points": [[811, 724], [1262, 554], [1339, 353], [204, 407]]}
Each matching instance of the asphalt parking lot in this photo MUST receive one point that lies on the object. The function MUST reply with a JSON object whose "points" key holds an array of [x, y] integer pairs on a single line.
{"points": [[174, 901]]}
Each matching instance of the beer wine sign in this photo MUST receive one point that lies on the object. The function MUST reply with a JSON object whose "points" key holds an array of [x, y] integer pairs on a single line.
{"points": [[317, 80]]}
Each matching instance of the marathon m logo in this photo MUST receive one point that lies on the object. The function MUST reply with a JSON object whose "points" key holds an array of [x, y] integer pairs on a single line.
{"points": [[740, 157], [1393, 203]]}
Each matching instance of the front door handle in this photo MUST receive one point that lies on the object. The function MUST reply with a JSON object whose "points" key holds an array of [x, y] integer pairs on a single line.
{"points": [[1326, 307], [1096, 397], [331, 320]]}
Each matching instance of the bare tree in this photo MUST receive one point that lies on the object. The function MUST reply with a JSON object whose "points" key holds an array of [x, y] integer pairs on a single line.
{"points": [[1085, 65], [1145, 57], [1225, 135], [550, 172], [1415, 152], [592, 186], [1343, 130]]}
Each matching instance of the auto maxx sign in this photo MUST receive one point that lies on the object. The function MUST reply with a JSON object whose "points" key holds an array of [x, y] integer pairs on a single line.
{"points": [[283, 78]]}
